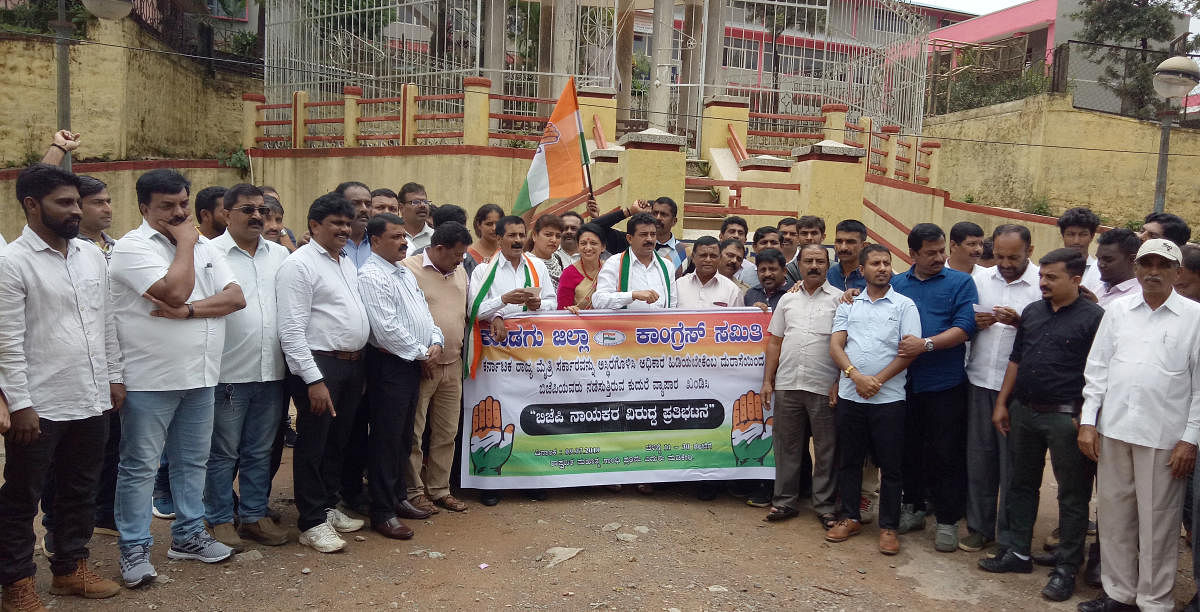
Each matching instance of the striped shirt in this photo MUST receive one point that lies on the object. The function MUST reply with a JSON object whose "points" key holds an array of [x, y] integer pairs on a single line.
{"points": [[396, 308]]}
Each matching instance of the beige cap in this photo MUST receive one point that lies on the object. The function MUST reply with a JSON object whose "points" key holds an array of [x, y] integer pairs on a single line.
{"points": [[1161, 247]]}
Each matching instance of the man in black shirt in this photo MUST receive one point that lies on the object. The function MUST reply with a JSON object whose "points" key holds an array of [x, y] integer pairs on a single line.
{"points": [[1038, 408], [773, 283]]}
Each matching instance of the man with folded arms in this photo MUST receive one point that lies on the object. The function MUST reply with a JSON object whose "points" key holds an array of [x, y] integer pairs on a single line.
{"points": [[322, 328], [54, 286], [1037, 409], [246, 416], [403, 335], [871, 399], [1140, 423]]}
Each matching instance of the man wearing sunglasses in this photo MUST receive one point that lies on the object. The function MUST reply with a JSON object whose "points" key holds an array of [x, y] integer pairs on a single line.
{"points": [[414, 208], [250, 387]]}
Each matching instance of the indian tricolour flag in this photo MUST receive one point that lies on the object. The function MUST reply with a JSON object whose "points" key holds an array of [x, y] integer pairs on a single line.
{"points": [[558, 169]]}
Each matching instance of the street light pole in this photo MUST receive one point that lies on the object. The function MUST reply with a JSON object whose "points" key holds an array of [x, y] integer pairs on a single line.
{"points": [[1164, 145], [62, 30], [1173, 78]]}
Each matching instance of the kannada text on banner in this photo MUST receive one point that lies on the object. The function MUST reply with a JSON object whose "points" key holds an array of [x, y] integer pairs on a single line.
{"points": [[618, 397]]}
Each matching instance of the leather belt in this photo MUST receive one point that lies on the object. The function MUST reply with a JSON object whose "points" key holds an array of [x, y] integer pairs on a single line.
{"points": [[343, 355], [1073, 407]]}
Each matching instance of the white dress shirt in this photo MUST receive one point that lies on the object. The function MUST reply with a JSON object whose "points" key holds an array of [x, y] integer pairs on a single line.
{"points": [[165, 354], [1091, 276], [252, 352], [508, 278], [1143, 373], [805, 323], [991, 347], [1109, 293], [319, 308], [609, 297], [718, 291], [417, 241], [58, 339], [566, 258], [397, 310]]}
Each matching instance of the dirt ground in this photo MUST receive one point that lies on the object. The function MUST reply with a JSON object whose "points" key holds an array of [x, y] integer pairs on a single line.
{"points": [[685, 555]]}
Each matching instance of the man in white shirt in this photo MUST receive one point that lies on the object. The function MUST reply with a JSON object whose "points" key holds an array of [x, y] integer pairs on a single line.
{"points": [[1140, 423], [511, 283], [53, 286], [568, 247], [1004, 290], [704, 288], [403, 335], [250, 389], [414, 208], [966, 246], [1115, 252], [170, 295], [322, 329], [800, 372], [1078, 227], [639, 278], [358, 248]]}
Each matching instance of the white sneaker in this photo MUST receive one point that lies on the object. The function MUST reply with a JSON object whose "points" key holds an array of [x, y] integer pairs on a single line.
{"points": [[341, 522], [322, 538]]}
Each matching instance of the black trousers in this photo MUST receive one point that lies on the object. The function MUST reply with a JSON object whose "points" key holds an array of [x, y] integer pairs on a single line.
{"points": [[106, 495], [277, 445], [393, 385], [321, 438], [877, 429], [354, 465], [935, 452], [1032, 434], [76, 450]]}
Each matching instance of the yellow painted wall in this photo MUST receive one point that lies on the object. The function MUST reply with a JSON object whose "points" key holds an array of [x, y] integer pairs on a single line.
{"points": [[127, 104], [1118, 186]]}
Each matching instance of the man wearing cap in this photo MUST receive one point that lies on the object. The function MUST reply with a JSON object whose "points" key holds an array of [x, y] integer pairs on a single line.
{"points": [[1140, 423]]}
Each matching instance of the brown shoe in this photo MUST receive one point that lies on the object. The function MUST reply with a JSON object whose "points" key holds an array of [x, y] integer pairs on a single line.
{"points": [[423, 503], [84, 583], [843, 530], [406, 509], [450, 503], [394, 529], [264, 531], [889, 544], [227, 535], [21, 596]]}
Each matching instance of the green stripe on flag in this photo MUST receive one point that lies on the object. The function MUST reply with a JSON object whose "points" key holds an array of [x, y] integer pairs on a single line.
{"points": [[523, 204]]}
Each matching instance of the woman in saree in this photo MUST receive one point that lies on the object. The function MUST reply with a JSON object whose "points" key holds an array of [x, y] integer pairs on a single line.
{"points": [[578, 280]]}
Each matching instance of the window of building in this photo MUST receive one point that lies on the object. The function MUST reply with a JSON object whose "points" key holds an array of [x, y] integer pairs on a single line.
{"points": [[740, 53]]}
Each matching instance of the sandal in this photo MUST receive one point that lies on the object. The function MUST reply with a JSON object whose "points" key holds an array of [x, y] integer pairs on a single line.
{"points": [[780, 514], [828, 520]]}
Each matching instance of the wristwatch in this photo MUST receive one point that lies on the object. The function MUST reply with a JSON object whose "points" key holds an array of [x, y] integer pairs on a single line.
{"points": [[928, 345], [849, 369]]}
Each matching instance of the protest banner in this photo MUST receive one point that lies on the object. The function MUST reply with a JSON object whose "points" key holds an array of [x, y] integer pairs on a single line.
{"points": [[618, 397]]}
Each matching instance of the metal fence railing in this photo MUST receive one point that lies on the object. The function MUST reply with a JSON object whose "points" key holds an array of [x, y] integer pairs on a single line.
{"points": [[1109, 78]]}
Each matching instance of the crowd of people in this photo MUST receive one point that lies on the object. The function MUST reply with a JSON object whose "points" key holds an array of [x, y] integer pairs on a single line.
{"points": [[143, 375]]}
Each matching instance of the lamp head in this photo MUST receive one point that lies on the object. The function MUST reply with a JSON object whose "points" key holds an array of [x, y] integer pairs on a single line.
{"points": [[109, 9], [1176, 76]]}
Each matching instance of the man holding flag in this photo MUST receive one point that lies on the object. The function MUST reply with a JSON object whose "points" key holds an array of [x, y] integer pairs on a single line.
{"points": [[560, 165], [511, 283]]}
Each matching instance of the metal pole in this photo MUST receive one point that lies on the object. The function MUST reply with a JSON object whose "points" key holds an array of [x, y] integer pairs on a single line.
{"points": [[660, 71], [62, 30], [1164, 145]]}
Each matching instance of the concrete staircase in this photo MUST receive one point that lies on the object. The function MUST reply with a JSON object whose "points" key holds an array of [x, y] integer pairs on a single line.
{"points": [[703, 196]]}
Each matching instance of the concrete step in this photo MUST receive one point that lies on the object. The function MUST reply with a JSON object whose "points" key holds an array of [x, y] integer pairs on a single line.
{"points": [[701, 195], [697, 167], [708, 222]]}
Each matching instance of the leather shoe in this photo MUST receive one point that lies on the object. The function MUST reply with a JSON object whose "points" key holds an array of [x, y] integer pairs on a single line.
{"points": [[451, 503], [1044, 559], [407, 510], [393, 528], [489, 498], [843, 530], [889, 544], [1091, 570], [1004, 562], [1061, 585], [1104, 603]]}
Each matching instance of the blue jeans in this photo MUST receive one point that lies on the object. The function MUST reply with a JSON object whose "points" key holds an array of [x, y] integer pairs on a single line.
{"points": [[181, 422], [245, 420]]}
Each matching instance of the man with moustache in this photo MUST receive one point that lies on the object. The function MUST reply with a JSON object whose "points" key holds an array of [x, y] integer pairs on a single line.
{"points": [[704, 288], [96, 209], [789, 237], [966, 246], [250, 389], [810, 229], [801, 374], [849, 238], [170, 293], [639, 278], [403, 336], [384, 200], [1037, 409], [210, 215], [670, 248], [54, 286], [323, 328], [871, 405], [1115, 252], [1141, 422], [773, 282], [512, 283], [766, 237], [1005, 290], [358, 247], [414, 207], [568, 246], [733, 256]]}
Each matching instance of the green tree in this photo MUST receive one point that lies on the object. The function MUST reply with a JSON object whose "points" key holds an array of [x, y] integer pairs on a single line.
{"points": [[1142, 25]]}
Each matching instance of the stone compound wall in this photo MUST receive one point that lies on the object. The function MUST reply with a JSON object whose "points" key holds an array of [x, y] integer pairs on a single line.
{"points": [[1118, 186], [127, 104]]}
